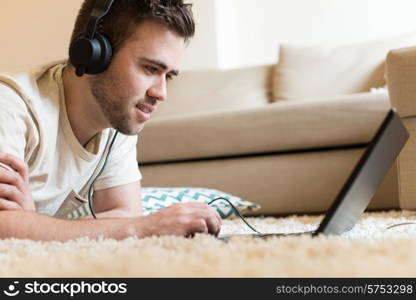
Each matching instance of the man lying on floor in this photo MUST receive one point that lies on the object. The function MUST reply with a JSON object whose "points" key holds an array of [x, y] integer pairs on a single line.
{"points": [[68, 130]]}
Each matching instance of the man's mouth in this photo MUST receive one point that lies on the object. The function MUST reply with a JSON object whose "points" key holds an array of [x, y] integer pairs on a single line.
{"points": [[144, 110]]}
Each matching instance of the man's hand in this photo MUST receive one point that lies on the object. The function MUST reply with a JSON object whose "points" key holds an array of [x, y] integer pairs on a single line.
{"points": [[183, 219], [14, 184]]}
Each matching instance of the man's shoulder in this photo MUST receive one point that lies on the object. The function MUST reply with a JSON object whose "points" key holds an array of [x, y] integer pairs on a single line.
{"points": [[123, 143], [10, 93], [25, 85]]}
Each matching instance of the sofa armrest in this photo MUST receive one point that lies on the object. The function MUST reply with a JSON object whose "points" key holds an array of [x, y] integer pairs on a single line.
{"points": [[401, 82]]}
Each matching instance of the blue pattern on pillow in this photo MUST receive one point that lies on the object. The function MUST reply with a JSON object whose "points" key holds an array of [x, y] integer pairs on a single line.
{"points": [[155, 198]]}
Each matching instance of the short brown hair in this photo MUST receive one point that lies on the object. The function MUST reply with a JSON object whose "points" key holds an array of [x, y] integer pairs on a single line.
{"points": [[118, 24]]}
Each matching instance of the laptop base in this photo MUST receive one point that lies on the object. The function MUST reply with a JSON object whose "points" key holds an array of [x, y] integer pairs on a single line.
{"points": [[227, 237]]}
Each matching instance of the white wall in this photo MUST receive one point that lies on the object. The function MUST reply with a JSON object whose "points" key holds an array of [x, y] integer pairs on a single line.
{"points": [[36, 31], [202, 51], [230, 33], [249, 31]]}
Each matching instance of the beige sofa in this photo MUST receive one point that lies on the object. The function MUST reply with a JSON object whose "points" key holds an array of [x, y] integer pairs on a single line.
{"points": [[401, 76], [246, 132]]}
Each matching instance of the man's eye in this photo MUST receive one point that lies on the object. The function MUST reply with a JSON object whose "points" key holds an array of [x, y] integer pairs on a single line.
{"points": [[151, 70], [169, 77]]}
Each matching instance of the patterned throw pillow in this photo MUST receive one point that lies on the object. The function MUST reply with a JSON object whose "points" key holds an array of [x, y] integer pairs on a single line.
{"points": [[154, 199], [157, 198]]}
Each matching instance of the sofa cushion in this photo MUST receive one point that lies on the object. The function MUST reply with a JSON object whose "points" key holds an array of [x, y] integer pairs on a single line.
{"points": [[201, 91], [277, 127], [332, 70]]}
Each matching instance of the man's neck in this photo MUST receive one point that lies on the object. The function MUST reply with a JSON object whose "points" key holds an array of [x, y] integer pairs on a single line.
{"points": [[84, 114]]}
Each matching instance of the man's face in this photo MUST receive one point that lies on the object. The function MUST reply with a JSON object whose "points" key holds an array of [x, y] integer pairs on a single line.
{"points": [[135, 82]]}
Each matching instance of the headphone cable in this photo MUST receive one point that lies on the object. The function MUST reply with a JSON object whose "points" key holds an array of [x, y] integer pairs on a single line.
{"points": [[98, 175], [236, 211]]}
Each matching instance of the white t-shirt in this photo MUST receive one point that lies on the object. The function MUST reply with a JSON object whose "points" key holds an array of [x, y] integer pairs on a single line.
{"points": [[34, 126]]}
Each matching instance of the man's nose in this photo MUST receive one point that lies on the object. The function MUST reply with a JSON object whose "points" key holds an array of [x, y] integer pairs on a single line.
{"points": [[158, 90]]}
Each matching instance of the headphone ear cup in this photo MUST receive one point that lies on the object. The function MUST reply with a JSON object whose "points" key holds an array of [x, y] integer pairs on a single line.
{"points": [[81, 53], [102, 59], [90, 56]]}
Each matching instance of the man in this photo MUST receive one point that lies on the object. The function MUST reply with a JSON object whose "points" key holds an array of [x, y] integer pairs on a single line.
{"points": [[56, 128]]}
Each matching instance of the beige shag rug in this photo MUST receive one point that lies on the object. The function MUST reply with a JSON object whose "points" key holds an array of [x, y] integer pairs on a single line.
{"points": [[369, 250]]}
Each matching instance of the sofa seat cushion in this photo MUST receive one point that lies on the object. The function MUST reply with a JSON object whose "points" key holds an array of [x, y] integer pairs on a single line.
{"points": [[277, 127]]}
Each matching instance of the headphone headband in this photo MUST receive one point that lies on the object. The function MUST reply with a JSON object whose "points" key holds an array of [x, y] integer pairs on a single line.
{"points": [[101, 8]]}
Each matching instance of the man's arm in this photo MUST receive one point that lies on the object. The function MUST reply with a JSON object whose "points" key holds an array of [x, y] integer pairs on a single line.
{"points": [[118, 202], [183, 219], [30, 225]]}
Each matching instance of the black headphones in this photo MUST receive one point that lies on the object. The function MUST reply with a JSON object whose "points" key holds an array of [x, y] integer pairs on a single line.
{"points": [[91, 52]]}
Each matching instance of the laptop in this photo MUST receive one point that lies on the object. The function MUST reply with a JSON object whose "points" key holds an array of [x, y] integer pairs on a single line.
{"points": [[363, 182]]}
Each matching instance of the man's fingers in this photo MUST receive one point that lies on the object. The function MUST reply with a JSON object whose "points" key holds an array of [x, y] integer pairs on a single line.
{"points": [[9, 205], [198, 226], [13, 189], [10, 193], [16, 164], [217, 215], [213, 225], [208, 225], [211, 219], [7, 167], [187, 219], [12, 178], [14, 184]]}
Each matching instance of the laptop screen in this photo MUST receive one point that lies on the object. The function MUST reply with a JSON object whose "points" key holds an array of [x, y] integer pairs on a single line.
{"points": [[366, 177]]}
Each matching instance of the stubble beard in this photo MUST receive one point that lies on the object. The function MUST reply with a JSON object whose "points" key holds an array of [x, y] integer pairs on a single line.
{"points": [[116, 111]]}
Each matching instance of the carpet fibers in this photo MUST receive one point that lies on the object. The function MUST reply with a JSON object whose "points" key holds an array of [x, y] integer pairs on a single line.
{"points": [[370, 249]]}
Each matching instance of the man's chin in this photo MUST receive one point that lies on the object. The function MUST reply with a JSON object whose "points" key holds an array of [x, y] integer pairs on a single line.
{"points": [[131, 130]]}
